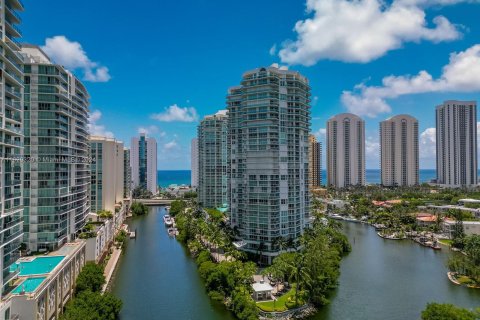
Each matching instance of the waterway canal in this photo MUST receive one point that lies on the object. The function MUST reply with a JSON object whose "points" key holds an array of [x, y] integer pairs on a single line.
{"points": [[380, 279]]}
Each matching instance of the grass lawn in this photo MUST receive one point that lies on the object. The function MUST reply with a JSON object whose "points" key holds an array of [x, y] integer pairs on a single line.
{"points": [[280, 304], [448, 242]]}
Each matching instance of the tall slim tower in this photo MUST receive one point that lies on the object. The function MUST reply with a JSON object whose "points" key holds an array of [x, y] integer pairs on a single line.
{"points": [[56, 138], [107, 175], [345, 151], [194, 163], [127, 174], [457, 143], [143, 159], [269, 124], [315, 163], [11, 140], [399, 151], [213, 160]]}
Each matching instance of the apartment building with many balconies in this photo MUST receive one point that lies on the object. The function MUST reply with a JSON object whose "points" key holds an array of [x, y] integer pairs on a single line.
{"points": [[314, 162], [345, 151], [57, 177], [269, 124], [213, 160], [399, 151], [457, 143]]}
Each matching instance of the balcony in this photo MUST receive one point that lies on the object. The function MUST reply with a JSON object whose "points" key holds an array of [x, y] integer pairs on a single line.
{"points": [[10, 90], [12, 13], [9, 237], [12, 104], [16, 4], [14, 30]]}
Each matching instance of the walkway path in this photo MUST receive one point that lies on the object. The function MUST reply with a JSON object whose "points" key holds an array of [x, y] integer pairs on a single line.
{"points": [[110, 267]]}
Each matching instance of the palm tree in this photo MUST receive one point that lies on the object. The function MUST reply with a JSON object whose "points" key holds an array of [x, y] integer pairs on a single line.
{"points": [[299, 274]]}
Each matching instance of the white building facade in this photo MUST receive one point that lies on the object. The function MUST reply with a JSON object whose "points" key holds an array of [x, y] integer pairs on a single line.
{"points": [[107, 173], [399, 151], [143, 160], [457, 143], [345, 151]]}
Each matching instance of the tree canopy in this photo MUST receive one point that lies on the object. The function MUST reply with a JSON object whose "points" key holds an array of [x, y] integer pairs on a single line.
{"points": [[439, 311]]}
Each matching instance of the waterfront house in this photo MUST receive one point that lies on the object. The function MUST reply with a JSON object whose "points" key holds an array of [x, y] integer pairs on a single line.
{"points": [[262, 291]]}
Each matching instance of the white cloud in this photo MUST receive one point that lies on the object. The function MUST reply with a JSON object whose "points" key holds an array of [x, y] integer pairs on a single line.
{"points": [[273, 50], [320, 133], [151, 130], [71, 55], [96, 129], [363, 30], [170, 145], [372, 151], [176, 113], [427, 144], [461, 74]]}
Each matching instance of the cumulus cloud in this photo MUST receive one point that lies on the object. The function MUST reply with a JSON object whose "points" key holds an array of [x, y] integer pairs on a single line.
{"points": [[320, 133], [71, 55], [273, 50], [170, 145], [372, 151], [96, 129], [461, 74], [363, 30], [151, 130], [176, 113], [427, 144]]}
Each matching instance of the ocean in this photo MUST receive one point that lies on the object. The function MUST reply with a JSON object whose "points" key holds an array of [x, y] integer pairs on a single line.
{"points": [[168, 177]]}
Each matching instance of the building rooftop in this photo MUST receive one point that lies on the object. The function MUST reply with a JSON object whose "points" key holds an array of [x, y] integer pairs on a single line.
{"points": [[36, 265], [36, 270], [260, 287], [29, 285]]}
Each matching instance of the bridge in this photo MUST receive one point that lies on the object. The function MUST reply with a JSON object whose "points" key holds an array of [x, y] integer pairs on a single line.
{"points": [[154, 202]]}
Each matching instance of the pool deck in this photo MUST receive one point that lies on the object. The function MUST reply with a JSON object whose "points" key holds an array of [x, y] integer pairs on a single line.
{"points": [[29, 285], [38, 265]]}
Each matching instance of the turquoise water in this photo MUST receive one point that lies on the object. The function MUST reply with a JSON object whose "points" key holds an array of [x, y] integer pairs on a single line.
{"points": [[39, 265], [28, 285], [168, 177]]}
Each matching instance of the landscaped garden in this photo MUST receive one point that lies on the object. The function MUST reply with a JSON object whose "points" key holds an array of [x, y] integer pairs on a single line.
{"points": [[283, 303]]}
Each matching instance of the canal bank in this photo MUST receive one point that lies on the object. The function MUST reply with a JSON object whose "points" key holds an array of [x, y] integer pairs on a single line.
{"points": [[157, 279], [381, 279]]}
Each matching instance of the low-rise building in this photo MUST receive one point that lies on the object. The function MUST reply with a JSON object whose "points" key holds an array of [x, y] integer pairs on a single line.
{"points": [[469, 227], [100, 238], [45, 283], [426, 219]]}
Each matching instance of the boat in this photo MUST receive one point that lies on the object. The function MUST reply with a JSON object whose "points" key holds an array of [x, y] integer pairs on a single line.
{"points": [[172, 232], [167, 220]]}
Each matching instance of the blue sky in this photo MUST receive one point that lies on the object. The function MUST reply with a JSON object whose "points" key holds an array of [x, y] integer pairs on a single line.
{"points": [[160, 66]]}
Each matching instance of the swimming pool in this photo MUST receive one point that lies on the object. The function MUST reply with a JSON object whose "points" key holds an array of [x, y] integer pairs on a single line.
{"points": [[28, 285], [38, 265]]}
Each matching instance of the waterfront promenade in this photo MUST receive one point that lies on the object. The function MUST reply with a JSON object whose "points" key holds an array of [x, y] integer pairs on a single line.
{"points": [[110, 267]]}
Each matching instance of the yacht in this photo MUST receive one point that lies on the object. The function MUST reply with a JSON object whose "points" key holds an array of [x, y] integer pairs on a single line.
{"points": [[168, 220]]}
